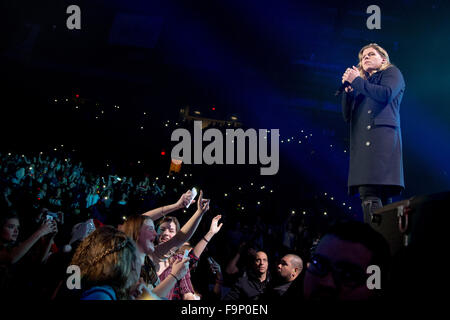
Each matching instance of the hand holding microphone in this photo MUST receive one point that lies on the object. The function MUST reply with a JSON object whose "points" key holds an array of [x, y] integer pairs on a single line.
{"points": [[347, 78]]}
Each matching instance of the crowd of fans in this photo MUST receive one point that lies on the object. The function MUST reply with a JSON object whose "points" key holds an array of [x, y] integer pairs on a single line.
{"points": [[55, 214]]}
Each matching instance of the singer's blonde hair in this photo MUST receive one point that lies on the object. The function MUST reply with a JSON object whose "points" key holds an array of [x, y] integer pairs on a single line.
{"points": [[383, 53]]}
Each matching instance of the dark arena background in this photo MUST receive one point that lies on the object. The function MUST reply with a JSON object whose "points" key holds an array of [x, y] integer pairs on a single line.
{"points": [[110, 94]]}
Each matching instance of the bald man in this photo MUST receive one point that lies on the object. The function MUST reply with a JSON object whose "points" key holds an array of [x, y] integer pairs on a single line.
{"points": [[253, 283], [284, 285]]}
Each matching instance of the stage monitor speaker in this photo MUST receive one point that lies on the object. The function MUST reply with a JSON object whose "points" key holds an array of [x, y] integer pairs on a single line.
{"points": [[421, 221]]}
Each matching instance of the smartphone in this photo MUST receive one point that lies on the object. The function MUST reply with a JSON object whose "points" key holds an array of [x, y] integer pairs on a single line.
{"points": [[211, 263], [194, 194], [186, 254]]}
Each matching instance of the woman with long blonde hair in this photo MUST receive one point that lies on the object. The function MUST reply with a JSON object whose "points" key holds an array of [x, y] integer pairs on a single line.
{"points": [[371, 105]]}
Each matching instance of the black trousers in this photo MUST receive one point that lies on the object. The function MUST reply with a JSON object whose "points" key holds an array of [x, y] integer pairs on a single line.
{"points": [[374, 197]]}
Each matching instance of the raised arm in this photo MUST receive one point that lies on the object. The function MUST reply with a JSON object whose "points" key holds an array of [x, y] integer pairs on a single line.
{"points": [[18, 252], [213, 229], [45, 253], [231, 267], [166, 249], [157, 213], [217, 271]]}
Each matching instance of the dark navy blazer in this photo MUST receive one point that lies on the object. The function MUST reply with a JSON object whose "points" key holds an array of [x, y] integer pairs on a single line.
{"points": [[373, 111]]}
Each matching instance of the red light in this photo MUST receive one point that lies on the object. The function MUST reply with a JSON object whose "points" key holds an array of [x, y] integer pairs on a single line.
{"points": [[163, 153], [213, 108], [77, 96]]}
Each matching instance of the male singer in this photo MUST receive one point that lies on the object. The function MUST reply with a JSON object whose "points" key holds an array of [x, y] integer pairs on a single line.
{"points": [[371, 103]]}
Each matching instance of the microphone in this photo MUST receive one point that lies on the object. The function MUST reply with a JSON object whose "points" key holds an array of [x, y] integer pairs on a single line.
{"points": [[342, 88]]}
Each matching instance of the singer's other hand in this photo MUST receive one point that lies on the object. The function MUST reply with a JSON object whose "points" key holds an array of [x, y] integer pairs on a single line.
{"points": [[348, 89]]}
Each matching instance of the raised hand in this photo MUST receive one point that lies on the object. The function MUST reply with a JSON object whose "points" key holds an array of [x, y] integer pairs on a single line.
{"points": [[184, 199], [202, 204], [49, 226], [180, 268], [215, 227]]}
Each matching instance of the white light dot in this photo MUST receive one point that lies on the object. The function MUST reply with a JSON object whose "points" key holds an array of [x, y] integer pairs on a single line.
{"points": [[157, 178], [142, 128], [240, 188], [343, 203], [124, 218], [332, 198], [304, 212], [325, 213], [56, 100], [258, 203], [226, 194], [349, 208], [325, 193]]}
